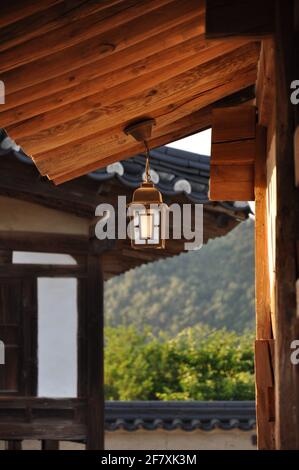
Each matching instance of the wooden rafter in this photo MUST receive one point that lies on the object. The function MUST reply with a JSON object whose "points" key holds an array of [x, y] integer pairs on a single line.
{"points": [[73, 83]]}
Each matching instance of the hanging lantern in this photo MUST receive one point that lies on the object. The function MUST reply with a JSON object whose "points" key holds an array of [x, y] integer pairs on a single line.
{"points": [[147, 209]]}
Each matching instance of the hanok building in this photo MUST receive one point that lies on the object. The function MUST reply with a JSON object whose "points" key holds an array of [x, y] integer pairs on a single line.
{"points": [[76, 74]]}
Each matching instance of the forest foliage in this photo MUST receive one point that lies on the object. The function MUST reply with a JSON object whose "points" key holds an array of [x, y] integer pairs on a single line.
{"points": [[199, 363], [182, 328]]}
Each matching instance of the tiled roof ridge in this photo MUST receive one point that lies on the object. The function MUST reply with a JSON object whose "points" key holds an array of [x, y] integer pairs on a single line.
{"points": [[184, 415]]}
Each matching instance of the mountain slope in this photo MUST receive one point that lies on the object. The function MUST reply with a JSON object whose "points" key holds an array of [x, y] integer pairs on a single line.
{"points": [[214, 285]]}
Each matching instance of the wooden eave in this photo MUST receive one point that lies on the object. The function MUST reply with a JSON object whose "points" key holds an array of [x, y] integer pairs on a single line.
{"points": [[76, 73]]}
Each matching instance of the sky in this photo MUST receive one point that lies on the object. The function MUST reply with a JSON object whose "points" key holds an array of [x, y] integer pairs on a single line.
{"points": [[197, 143]]}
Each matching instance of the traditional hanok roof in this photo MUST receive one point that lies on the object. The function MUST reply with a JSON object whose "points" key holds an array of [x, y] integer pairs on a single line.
{"points": [[77, 73], [187, 416], [173, 171]]}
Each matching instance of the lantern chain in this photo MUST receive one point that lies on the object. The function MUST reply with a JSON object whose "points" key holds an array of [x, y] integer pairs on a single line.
{"points": [[147, 166]]}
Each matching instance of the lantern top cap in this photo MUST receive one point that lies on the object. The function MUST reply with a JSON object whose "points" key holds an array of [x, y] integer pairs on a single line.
{"points": [[147, 194]]}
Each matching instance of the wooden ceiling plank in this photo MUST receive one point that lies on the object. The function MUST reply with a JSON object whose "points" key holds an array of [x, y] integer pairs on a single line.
{"points": [[18, 9], [198, 120], [116, 142], [165, 60], [106, 43], [125, 13], [171, 122], [159, 138], [102, 67], [40, 22], [132, 79], [84, 53], [168, 92]]}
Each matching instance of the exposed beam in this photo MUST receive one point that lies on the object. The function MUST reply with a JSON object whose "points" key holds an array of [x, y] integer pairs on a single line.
{"points": [[250, 18], [44, 270], [58, 429], [57, 243], [80, 199]]}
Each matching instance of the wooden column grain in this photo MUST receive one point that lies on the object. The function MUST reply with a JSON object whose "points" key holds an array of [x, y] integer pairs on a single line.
{"points": [[264, 344], [95, 355], [287, 220]]}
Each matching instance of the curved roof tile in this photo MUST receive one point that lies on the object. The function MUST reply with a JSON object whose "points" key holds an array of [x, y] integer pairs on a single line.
{"points": [[187, 416]]}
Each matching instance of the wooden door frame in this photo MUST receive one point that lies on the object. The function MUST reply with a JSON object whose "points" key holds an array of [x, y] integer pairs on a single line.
{"points": [[87, 411]]}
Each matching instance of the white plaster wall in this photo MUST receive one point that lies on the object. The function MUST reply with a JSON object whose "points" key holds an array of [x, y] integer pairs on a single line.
{"points": [[25, 216], [166, 440], [179, 440]]}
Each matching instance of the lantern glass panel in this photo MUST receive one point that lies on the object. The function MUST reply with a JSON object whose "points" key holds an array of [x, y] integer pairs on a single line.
{"points": [[146, 224]]}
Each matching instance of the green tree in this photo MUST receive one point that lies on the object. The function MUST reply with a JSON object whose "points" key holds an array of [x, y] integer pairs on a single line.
{"points": [[198, 364]]}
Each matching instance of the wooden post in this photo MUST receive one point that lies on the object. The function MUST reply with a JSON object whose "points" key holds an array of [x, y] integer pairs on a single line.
{"points": [[296, 108], [13, 445], [287, 219], [95, 355], [48, 444], [5, 257], [264, 375]]}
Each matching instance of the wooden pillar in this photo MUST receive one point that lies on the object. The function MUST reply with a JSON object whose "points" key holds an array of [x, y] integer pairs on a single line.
{"points": [[13, 445], [296, 108], [287, 219], [264, 345], [5, 257], [48, 444], [95, 355]]}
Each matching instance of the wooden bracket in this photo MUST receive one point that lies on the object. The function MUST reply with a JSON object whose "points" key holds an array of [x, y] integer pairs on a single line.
{"points": [[233, 153]]}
